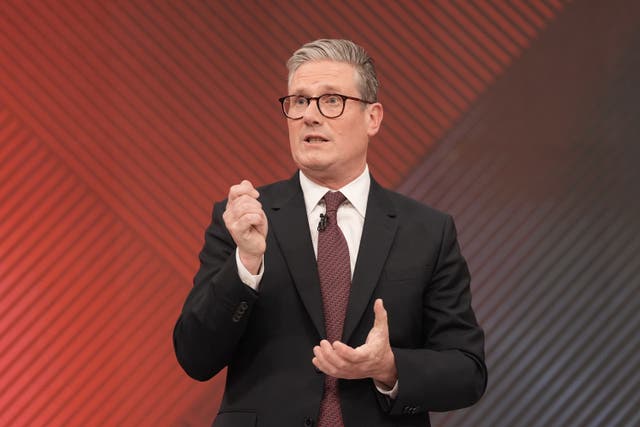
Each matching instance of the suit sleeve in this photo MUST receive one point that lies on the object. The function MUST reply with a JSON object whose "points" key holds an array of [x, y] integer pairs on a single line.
{"points": [[448, 372], [216, 311]]}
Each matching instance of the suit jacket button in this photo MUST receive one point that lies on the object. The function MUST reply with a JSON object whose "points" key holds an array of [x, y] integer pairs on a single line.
{"points": [[308, 422], [241, 308]]}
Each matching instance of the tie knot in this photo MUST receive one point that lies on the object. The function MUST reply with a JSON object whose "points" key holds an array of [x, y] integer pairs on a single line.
{"points": [[333, 199]]}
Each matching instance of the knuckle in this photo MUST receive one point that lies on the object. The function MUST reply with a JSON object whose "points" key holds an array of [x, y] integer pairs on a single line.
{"points": [[229, 223], [233, 191], [233, 229]]}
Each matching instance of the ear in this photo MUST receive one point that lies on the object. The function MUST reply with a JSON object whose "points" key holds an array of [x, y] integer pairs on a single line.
{"points": [[374, 116]]}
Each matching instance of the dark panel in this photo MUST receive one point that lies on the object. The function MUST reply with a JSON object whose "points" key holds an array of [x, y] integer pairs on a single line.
{"points": [[542, 178]]}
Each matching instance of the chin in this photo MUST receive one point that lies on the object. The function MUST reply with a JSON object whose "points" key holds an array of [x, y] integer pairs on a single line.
{"points": [[313, 169], [313, 163]]}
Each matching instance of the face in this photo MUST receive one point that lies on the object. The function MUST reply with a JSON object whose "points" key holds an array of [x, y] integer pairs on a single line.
{"points": [[331, 152]]}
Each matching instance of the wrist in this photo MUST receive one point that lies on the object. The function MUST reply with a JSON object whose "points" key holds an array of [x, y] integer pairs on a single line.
{"points": [[251, 262], [389, 375]]}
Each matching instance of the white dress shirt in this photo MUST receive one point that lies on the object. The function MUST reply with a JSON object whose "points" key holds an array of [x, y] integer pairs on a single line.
{"points": [[350, 218], [350, 214]]}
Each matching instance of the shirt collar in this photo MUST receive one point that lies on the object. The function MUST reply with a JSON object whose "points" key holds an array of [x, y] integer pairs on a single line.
{"points": [[356, 192]]}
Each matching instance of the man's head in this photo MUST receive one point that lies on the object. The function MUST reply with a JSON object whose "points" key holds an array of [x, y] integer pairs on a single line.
{"points": [[332, 151], [340, 51]]}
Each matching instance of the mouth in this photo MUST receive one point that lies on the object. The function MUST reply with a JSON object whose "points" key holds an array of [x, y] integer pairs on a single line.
{"points": [[315, 139]]}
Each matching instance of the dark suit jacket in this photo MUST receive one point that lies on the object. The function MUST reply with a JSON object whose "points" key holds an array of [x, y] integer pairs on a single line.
{"points": [[408, 255]]}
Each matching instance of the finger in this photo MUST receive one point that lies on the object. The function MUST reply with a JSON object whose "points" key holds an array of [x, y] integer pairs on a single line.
{"points": [[251, 222], [348, 353], [320, 360], [380, 314], [262, 225], [246, 197], [336, 363], [317, 357], [316, 350], [325, 347], [245, 205], [339, 367], [242, 207], [320, 349], [316, 363], [243, 202], [324, 352], [244, 188]]}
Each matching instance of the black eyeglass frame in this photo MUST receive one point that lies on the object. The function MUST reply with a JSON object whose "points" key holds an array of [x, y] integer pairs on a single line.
{"points": [[317, 99]]}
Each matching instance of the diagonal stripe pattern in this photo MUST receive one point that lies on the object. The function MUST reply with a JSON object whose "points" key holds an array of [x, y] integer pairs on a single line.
{"points": [[120, 123]]}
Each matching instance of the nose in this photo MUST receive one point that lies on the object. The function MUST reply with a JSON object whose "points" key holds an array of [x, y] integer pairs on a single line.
{"points": [[312, 113]]}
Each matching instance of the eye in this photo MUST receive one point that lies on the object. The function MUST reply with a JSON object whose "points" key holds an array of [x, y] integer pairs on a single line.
{"points": [[299, 101], [331, 100]]}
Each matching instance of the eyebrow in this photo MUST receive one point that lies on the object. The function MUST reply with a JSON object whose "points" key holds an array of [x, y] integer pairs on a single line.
{"points": [[324, 89]]}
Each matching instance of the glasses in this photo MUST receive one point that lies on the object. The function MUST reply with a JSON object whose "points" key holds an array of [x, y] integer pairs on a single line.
{"points": [[330, 105]]}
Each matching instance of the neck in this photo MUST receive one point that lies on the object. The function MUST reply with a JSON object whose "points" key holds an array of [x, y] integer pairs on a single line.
{"points": [[331, 181]]}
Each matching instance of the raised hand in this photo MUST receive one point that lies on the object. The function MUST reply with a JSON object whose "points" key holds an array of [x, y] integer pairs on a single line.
{"points": [[247, 223], [373, 359]]}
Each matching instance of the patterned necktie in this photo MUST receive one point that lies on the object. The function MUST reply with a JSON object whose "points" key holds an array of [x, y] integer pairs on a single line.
{"points": [[334, 270]]}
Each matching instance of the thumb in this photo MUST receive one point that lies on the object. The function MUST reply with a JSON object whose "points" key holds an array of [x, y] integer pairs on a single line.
{"points": [[380, 314], [262, 225]]}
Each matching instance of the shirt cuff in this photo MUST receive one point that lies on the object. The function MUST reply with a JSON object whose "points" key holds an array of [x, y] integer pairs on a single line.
{"points": [[251, 280], [392, 394]]}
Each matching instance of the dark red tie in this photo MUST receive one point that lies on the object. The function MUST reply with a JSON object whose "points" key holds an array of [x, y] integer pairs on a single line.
{"points": [[335, 280]]}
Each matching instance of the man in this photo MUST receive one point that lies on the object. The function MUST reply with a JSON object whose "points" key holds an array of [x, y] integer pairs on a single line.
{"points": [[329, 308]]}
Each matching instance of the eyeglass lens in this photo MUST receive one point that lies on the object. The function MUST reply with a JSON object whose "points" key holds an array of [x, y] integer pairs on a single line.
{"points": [[330, 106]]}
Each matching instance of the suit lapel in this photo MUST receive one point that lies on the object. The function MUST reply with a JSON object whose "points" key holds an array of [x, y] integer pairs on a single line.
{"points": [[290, 226], [377, 235]]}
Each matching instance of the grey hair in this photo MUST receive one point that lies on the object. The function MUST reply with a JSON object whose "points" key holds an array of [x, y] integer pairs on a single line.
{"points": [[341, 51]]}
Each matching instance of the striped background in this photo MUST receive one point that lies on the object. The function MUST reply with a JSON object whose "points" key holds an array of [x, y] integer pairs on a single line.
{"points": [[122, 122]]}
